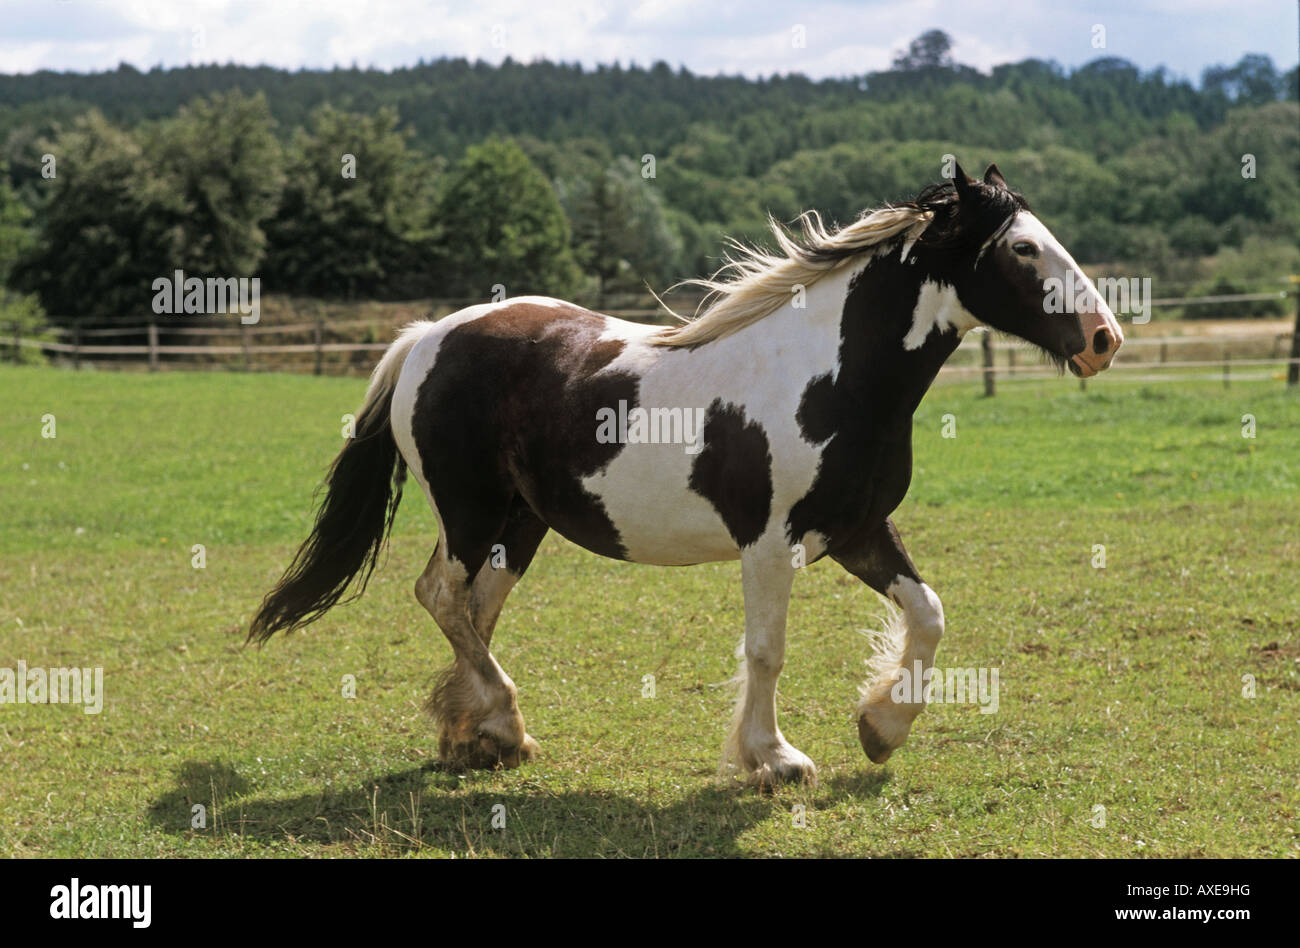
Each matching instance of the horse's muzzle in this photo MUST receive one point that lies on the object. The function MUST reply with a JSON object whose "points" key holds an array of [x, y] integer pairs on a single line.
{"points": [[1102, 339]]}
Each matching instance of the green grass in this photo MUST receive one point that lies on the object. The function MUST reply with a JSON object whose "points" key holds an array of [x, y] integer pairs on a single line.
{"points": [[1120, 687]]}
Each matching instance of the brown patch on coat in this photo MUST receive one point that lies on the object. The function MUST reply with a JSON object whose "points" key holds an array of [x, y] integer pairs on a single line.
{"points": [[509, 409], [733, 471]]}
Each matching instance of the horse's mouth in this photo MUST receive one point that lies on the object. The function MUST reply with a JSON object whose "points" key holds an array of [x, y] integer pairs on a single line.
{"points": [[1084, 369]]}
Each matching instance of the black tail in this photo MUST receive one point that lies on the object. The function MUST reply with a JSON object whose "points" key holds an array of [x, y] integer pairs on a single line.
{"points": [[363, 489]]}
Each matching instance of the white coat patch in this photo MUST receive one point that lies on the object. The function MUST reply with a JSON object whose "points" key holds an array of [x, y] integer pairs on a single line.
{"points": [[937, 307]]}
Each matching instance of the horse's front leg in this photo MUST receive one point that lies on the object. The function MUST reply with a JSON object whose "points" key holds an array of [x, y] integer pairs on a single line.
{"points": [[886, 713], [756, 745]]}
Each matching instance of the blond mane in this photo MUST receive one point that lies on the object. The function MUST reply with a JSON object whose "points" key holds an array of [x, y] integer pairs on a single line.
{"points": [[754, 283]]}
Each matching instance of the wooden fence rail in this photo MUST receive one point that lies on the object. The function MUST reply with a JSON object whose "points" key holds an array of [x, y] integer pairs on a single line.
{"points": [[984, 350]]}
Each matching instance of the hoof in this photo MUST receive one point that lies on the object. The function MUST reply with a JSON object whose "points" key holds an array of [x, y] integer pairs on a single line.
{"points": [[766, 777], [488, 752], [783, 765], [877, 750], [883, 729]]}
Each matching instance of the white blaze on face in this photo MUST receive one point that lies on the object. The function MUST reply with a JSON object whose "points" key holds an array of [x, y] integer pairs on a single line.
{"points": [[1066, 290], [1055, 263]]}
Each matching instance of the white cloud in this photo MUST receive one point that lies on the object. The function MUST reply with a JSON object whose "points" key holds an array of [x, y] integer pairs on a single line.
{"points": [[729, 36]]}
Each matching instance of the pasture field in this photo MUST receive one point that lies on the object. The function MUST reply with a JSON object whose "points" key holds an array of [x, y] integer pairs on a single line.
{"points": [[1120, 687]]}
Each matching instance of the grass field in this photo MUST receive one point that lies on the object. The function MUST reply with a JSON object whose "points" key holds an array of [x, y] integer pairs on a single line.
{"points": [[1120, 687]]}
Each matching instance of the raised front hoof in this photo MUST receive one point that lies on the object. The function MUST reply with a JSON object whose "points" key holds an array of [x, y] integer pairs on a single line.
{"points": [[486, 752], [876, 746]]}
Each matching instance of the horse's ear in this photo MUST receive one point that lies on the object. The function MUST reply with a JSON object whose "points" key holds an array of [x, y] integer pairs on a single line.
{"points": [[964, 183], [994, 177]]}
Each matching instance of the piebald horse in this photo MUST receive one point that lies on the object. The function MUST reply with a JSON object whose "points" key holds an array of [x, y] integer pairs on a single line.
{"points": [[775, 428]]}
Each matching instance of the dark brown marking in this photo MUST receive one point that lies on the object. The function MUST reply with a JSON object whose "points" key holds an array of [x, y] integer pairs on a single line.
{"points": [[509, 408], [817, 415], [877, 557], [733, 471]]}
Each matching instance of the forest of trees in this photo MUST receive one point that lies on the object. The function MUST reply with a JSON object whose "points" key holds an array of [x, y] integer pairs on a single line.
{"points": [[450, 177]]}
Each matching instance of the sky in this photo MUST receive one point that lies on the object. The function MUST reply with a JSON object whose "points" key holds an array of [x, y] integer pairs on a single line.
{"points": [[818, 38]]}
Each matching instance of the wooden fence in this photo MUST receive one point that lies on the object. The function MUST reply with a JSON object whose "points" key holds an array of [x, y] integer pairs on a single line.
{"points": [[78, 343], [1243, 356]]}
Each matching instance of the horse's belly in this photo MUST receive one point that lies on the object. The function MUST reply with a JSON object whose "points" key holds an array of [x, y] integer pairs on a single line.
{"points": [[646, 495], [663, 539]]}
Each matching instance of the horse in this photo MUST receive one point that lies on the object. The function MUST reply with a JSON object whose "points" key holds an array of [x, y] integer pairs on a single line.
{"points": [[775, 428]]}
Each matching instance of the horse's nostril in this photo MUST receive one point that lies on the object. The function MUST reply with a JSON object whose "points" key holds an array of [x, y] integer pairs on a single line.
{"points": [[1101, 341]]}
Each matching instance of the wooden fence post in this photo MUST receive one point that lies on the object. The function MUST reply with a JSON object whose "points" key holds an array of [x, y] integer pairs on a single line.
{"points": [[987, 346], [1293, 367], [1227, 357], [318, 335], [243, 345], [153, 346], [18, 352], [76, 344], [1011, 362]]}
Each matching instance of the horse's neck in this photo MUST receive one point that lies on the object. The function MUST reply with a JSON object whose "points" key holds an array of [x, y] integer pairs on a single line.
{"points": [[853, 324], [895, 338], [800, 336]]}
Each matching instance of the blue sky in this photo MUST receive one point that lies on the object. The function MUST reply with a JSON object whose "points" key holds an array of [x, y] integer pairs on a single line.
{"points": [[707, 36]]}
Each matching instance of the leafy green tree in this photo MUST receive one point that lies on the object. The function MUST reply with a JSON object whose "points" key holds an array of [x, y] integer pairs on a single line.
{"points": [[499, 222], [931, 50], [620, 231], [1252, 81], [220, 164], [356, 209], [16, 238], [107, 228]]}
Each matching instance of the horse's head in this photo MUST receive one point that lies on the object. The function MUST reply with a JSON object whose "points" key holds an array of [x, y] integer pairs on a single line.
{"points": [[1010, 273]]}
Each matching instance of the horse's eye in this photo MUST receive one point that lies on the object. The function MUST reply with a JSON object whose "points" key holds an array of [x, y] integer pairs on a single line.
{"points": [[1025, 248]]}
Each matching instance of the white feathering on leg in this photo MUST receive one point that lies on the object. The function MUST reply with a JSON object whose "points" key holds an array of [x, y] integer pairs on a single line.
{"points": [[887, 646]]}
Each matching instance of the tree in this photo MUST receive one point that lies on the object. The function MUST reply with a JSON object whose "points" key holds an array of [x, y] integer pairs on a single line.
{"points": [[499, 222], [931, 50], [355, 210], [220, 165], [107, 228], [620, 230], [15, 236], [1253, 80], [15, 240], [129, 207]]}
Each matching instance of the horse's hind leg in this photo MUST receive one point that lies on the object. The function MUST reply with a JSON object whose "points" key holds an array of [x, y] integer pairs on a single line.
{"points": [[506, 563], [909, 640], [475, 702]]}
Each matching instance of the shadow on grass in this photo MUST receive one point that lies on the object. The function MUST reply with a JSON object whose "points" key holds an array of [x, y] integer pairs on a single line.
{"points": [[426, 806]]}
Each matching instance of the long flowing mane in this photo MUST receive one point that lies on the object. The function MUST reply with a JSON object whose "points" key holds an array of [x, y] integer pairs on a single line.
{"points": [[754, 283]]}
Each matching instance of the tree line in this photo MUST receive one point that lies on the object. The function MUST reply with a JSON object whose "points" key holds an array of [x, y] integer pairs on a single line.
{"points": [[451, 179]]}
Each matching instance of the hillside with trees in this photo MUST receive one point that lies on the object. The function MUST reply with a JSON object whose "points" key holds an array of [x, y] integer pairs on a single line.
{"points": [[449, 178]]}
